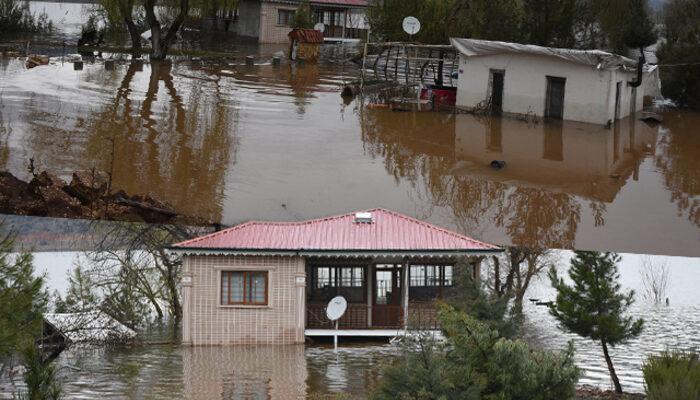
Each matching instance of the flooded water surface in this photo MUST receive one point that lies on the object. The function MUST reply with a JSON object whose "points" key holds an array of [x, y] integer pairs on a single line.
{"points": [[232, 143]]}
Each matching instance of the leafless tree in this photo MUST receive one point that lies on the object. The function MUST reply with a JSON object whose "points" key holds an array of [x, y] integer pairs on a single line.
{"points": [[510, 276], [656, 276]]}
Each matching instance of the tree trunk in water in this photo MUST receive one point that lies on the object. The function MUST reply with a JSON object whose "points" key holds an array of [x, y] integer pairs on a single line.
{"points": [[611, 368], [160, 45], [135, 38]]}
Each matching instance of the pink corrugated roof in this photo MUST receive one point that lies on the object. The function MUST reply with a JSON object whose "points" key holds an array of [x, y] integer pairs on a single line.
{"points": [[388, 231]]}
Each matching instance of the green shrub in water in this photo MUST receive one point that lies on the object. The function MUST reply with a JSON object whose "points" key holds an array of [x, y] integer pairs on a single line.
{"points": [[672, 376], [476, 363]]}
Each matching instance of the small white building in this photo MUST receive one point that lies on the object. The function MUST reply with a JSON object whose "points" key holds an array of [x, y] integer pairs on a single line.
{"points": [[578, 85]]}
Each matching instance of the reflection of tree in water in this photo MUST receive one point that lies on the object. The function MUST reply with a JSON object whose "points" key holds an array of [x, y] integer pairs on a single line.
{"points": [[677, 159], [177, 147], [419, 149]]}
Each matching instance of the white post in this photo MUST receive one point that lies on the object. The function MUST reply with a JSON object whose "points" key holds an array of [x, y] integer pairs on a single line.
{"points": [[404, 277], [335, 338]]}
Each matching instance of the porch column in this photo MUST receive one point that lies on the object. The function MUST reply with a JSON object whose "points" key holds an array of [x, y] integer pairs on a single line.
{"points": [[404, 284], [186, 283], [370, 293], [345, 21], [300, 282]]}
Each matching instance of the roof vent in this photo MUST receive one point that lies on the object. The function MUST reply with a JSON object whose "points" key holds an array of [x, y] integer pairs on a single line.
{"points": [[363, 218]]}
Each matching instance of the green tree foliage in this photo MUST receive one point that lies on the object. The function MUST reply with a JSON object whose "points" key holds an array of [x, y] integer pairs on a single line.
{"points": [[467, 295], [681, 82], [40, 376], [550, 22], [81, 294], [442, 19], [23, 299], [474, 363], [15, 16], [594, 306], [672, 375], [303, 17]]}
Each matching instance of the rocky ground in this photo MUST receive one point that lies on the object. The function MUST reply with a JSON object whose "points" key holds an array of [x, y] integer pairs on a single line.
{"points": [[86, 196], [590, 393]]}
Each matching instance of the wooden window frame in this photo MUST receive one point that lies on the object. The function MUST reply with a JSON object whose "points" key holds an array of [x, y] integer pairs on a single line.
{"points": [[245, 273], [336, 278], [441, 278], [290, 16]]}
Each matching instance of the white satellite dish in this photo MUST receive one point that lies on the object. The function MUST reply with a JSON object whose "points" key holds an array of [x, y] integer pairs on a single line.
{"points": [[411, 25], [320, 27], [336, 308], [146, 35]]}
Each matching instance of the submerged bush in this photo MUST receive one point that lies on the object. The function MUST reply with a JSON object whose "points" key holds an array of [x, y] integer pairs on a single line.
{"points": [[16, 17], [672, 376], [476, 363]]}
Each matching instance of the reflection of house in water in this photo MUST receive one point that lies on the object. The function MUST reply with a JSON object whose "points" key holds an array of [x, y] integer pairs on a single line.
{"points": [[570, 157], [244, 372]]}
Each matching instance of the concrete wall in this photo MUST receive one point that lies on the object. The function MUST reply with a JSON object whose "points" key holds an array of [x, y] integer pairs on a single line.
{"points": [[589, 93], [248, 24], [207, 322]]}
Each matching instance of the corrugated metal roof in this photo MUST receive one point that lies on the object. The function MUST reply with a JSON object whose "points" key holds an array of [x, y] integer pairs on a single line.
{"points": [[307, 35], [388, 231], [345, 3]]}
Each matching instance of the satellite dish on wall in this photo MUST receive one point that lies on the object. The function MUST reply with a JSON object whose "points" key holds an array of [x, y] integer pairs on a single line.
{"points": [[320, 27], [336, 308], [411, 25]]}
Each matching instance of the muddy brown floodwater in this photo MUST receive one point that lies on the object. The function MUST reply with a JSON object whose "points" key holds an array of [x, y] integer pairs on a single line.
{"points": [[232, 143]]}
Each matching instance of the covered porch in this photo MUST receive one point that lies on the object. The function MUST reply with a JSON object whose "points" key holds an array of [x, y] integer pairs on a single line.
{"points": [[382, 295]]}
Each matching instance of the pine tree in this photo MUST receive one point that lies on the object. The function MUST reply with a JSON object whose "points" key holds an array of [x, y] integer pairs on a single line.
{"points": [[23, 299], [80, 296], [594, 306], [303, 17]]}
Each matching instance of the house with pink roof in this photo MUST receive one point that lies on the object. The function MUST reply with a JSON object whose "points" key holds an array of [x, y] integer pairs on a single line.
{"points": [[269, 21], [270, 282]]}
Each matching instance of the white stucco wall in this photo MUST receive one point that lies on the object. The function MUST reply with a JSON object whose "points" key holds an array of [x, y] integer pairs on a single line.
{"points": [[589, 93]]}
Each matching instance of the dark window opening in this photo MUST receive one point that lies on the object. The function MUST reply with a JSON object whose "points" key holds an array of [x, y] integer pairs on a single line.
{"points": [[284, 17], [326, 282], [429, 282]]}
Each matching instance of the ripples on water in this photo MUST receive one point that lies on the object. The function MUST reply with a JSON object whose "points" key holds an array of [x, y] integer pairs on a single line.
{"points": [[281, 144]]}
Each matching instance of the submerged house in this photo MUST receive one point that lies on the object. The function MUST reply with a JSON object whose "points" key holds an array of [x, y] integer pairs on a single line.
{"points": [[270, 282], [578, 85], [269, 21]]}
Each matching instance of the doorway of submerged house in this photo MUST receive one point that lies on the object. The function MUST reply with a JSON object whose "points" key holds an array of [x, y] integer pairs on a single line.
{"points": [[386, 298], [497, 83], [554, 102]]}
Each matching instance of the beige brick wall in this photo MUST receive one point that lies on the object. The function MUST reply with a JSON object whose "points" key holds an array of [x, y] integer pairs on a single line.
{"points": [[270, 32], [206, 322]]}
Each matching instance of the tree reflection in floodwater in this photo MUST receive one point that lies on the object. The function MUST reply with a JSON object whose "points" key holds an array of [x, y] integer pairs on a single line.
{"points": [[552, 169], [679, 163], [173, 139]]}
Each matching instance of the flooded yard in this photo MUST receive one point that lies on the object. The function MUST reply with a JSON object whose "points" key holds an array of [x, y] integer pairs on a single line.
{"points": [[281, 144], [260, 372]]}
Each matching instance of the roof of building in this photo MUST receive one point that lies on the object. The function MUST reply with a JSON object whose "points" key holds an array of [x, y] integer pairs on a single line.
{"points": [[89, 326], [341, 3], [595, 58], [388, 231], [307, 35]]}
